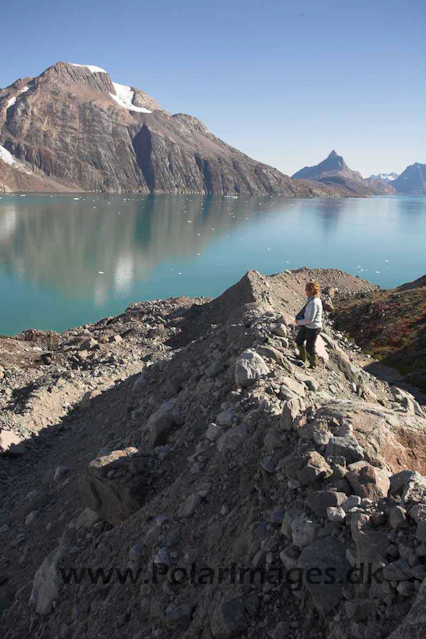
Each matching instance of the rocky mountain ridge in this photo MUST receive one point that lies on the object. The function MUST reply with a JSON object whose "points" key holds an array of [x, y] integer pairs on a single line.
{"points": [[73, 129], [185, 433], [412, 180], [334, 170]]}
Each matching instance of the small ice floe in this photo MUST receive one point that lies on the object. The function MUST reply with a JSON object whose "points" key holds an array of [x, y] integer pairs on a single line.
{"points": [[100, 272], [76, 198], [377, 271]]}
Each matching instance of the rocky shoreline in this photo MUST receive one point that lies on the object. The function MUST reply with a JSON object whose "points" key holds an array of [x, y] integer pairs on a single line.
{"points": [[184, 434]]}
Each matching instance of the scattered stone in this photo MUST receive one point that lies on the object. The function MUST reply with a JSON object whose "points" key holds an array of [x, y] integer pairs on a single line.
{"points": [[336, 514], [189, 505]]}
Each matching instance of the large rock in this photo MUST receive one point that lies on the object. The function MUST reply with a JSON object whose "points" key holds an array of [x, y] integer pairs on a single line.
{"points": [[115, 485], [326, 557], [249, 367], [162, 423], [368, 481], [320, 500], [47, 583]]}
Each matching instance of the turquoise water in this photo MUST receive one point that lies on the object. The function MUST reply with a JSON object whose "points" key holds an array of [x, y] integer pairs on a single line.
{"points": [[67, 261]]}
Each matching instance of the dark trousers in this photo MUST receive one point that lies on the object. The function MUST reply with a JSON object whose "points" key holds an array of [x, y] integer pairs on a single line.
{"points": [[308, 335]]}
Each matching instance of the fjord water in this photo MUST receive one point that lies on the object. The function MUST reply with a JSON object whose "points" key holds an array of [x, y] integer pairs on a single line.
{"points": [[67, 260]]}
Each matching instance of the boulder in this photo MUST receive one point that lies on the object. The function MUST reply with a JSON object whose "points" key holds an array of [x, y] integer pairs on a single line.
{"points": [[346, 447], [324, 557], [293, 408], [303, 530], [319, 501], [314, 469], [47, 583], [232, 438], [162, 423], [367, 481], [115, 485], [189, 505], [249, 367]]}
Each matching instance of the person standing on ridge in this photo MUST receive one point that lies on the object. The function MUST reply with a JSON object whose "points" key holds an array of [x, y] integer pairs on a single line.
{"points": [[310, 321]]}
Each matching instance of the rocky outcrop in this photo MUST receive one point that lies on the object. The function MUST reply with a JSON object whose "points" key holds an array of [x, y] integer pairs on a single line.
{"points": [[225, 491], [334, 170], [106, 137]]}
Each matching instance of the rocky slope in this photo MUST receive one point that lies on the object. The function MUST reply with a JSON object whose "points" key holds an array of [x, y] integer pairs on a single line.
{"points": [[72, 128], [412, 180], [183, 435], [334, 170], [391, 325]]}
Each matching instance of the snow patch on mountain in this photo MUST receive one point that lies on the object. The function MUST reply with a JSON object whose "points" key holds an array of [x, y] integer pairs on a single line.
{"points": [[124, 97], [388, 177], [91, 67], [10, 103], [6, 156]]}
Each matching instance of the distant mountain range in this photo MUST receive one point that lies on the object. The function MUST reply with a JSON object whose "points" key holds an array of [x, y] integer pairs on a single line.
{"points": [[412, 180], [334, 170], [73, 129]]}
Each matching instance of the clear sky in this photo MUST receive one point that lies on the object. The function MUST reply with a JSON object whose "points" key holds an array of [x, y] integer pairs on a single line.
{"points": [[284, 81]]}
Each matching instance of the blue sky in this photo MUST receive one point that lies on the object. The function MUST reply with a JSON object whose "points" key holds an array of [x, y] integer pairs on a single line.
{"points": [[283, 81]]}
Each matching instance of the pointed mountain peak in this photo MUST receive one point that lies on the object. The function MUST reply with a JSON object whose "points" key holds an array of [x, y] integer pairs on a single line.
{"points": [[333, 154]]}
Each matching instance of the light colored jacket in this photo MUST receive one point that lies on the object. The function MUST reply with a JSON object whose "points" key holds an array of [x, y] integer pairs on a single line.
{"points": [[313, 314]]}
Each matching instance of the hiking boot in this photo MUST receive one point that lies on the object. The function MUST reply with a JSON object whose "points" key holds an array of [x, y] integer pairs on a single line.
{"points": [[302, 353], [313, 360]]}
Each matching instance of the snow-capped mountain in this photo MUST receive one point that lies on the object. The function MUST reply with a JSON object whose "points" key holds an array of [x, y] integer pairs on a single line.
{"points": [[73, 128]]}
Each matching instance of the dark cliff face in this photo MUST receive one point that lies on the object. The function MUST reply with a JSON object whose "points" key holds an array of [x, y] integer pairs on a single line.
{"points": [[70, 125], [412, 180], [334, 170]]}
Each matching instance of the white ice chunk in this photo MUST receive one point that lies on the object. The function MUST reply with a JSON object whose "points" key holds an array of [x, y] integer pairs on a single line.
{"points": [[6, 156], [124, 97]]}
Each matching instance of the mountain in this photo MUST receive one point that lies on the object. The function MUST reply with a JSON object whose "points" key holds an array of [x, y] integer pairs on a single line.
{"points": [[334, 170], [72, 128], [412, 180], [387, 177]]}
